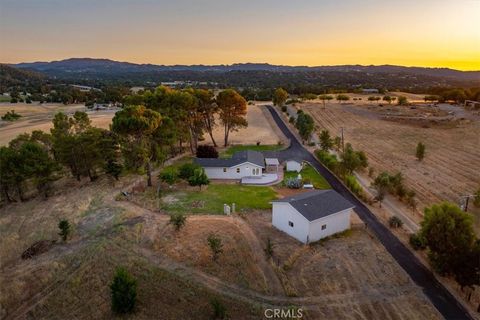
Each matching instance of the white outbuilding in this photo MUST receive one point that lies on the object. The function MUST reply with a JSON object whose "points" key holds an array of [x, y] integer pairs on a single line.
{"points": [[313, 215], [293, 165]]}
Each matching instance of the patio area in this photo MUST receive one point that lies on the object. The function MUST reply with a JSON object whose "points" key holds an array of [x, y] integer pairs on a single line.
{"points": [[264, 179]]}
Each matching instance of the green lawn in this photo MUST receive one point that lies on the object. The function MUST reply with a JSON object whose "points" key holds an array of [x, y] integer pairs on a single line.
{"points": [[268, 147], [310, 174], [210, 200]]}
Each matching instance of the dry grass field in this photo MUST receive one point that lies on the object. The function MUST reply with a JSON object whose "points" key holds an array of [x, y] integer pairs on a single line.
{"points": [[39, 117], [450, 168], [348, 277]]}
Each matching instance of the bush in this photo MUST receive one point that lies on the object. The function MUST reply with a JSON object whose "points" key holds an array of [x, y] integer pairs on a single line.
{"points": [[11, 116], [207, 152], [216, 245], [284, 108], [395, 222], [291, 120], [169, 175], [219, 310], [329, 160], [420, 151], [269, 248], [199, 178], [187, 170], [123, 290], [178, 220], [417, 242], [65, 229], [352, 184], [294, 183]]}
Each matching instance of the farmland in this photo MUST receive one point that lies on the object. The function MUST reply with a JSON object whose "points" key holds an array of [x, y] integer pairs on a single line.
{"points": [[39, 117], [448, 170]]}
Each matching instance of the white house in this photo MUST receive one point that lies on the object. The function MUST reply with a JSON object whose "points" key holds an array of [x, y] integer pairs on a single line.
{"points": [[242, 164], [313, 215], [293, 165]]}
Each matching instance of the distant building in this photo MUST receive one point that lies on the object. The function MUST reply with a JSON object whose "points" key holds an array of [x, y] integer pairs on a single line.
{"points": [[370, 90], [173, 84], [136, 89], [84, 88]]}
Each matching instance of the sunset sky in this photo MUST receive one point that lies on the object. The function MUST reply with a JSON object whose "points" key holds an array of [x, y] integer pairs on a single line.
{"points": [[434, 33]]}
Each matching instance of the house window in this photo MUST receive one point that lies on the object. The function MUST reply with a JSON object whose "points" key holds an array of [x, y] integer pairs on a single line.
{"points": [[290, 223], [224, 169], [324, 227], [238, 170]]}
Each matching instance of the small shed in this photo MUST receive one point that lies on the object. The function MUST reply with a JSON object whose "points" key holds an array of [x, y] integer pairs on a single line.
{"points": [[312, 215], [272, 164], [293, 165]]}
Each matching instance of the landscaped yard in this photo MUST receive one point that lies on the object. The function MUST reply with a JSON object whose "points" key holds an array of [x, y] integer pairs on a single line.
{"points": [[268, 147], [309, 174], [210, 200]]}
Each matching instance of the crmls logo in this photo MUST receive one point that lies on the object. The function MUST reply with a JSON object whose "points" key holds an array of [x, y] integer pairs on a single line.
{"points": [[283, 313]]}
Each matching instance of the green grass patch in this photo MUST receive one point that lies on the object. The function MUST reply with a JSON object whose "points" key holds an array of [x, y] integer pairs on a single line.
{"points": [[210, 200], [268, 147], [310, 174]]}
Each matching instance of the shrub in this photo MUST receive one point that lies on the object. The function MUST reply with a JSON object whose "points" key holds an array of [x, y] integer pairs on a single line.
{"points": [[113, 168], [417, 242], [207, 151], [65, 229], [269, 248], [178, 220], [169, 175], [219, 309], [395, 222], [216, 245], [294, 183], [187, 170], [352, 184], [420, 151], [199, 178], [284, 108], [291, 120], [123, 290], [11, 116], [329, 160]]}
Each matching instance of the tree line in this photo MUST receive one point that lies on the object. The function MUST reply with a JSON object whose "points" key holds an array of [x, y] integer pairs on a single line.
{"points": [[153, 126]]}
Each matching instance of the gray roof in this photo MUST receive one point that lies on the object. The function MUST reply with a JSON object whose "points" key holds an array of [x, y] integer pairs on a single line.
{"points": [[317, 204], [239, 157]]}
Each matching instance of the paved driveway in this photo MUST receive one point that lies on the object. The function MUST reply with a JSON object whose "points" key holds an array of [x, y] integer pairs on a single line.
{"points": [[440, 297]]}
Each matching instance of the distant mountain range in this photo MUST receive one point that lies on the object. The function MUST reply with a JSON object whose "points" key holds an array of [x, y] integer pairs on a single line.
{"points": [[91, 66]]}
